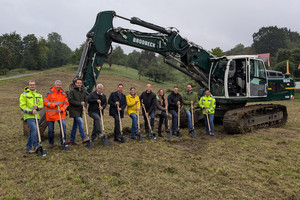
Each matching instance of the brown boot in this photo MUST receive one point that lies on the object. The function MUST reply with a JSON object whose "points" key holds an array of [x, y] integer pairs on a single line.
{"points": [[85, 140]]}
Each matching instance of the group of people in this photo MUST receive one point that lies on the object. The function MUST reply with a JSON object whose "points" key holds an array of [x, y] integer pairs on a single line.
{"points": [[57, 102]]}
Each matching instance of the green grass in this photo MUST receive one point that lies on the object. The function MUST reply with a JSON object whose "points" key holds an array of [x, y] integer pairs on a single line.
{"points": [[297, 94], [259, 165]]}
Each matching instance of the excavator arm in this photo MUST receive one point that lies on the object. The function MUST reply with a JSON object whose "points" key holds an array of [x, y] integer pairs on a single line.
{"points": [[178, 52]]}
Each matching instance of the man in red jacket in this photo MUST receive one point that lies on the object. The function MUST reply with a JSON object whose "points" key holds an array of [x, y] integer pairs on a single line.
{"points": [[56, 101]]}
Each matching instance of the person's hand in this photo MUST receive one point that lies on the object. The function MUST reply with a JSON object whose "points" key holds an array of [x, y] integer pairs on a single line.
{"points": [[34, 107], [98, 101], [147, 115], [59, 110], [136, 101], [57, 104], [34, 112], [205, 107], [206, 111], [117, 103], [178, 103], [119, 109], [83, 108], [100, 108], [192, 102], [137, 108], [82, 103], [192, 107]]}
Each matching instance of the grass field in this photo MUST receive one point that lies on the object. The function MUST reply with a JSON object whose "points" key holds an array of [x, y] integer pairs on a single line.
{"points": [[261, 165]]}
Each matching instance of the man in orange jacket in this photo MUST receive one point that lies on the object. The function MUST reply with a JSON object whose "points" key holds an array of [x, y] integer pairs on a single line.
{"points": [[56, 101]]}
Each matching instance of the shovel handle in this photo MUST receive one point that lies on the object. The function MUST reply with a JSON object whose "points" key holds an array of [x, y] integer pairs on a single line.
{"points": [[86, 125], [178, 116], [38, 128], [61, 126], [121, 128], [208, 122], [147, 117], [101, 118], [138, 115], [192, 113]]}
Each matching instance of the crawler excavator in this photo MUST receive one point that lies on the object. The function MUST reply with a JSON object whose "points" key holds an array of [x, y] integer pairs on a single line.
{"points": [[233, 80]]}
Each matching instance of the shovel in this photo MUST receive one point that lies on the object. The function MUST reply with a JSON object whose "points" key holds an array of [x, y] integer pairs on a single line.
{"points": [[194, 134], [152, 132], [169, 132], [39, 150], [208, 123], [64, 145], [178, 118], [139, 136], [104, 137], [123, 139], [88, 143]]}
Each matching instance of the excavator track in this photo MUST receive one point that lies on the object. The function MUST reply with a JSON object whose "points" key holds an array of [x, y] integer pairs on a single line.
{"points": [[249, 118]]}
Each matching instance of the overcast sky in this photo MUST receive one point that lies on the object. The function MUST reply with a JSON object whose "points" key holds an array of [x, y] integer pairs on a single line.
{"points": [[209, 23]]}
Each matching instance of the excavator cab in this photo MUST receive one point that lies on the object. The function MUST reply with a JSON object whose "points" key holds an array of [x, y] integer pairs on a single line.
{"points": [[238, 77]]}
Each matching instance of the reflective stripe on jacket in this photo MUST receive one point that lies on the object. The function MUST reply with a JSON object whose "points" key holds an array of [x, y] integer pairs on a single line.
{"points": [[55, 96], [131, 105], [209, 102], [28, 99]]}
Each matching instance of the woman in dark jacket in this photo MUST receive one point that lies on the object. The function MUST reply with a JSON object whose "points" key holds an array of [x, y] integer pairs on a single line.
{"points": [[161, 111], [77, 101]]}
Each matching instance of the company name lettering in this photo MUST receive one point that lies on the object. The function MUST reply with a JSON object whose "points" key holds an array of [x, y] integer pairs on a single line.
{"points": [[143, 42]]}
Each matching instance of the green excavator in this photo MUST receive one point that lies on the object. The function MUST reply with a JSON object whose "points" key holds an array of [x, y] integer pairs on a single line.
{"points": [[233, 80]]}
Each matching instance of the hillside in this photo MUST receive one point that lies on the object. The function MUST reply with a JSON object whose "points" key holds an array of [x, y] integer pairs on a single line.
{"points": [[260, 165]]}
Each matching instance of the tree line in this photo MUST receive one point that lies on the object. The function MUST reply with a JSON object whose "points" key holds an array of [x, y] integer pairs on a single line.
{"points": [[31, 52], [39, 53]]}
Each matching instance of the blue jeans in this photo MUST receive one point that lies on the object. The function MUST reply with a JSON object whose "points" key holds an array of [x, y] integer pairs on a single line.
{"points": [[189, 118], [174, 120], [134, 124], [51, 131], [32, 137], [77, 122], [211, 122], [151, 116]]}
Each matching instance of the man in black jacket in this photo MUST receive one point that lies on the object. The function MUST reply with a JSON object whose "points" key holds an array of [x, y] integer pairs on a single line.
{"points": [[174, 100], [115, 99], [97, 103], [77, 100], [148, 98]]}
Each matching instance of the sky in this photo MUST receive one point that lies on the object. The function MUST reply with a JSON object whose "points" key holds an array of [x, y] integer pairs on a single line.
{"points": [[210, 23]]}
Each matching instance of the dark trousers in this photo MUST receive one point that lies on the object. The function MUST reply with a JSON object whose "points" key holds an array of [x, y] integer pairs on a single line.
{"points": [[163, 116], [97, 125], [174, 120], [151, 116], [117, 126]]}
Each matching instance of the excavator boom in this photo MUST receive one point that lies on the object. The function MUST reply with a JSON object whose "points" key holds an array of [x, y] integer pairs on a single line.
{"points": [[178, 52]]}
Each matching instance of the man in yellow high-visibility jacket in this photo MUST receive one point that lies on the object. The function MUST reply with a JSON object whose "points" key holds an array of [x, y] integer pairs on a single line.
{"points": [[30, 103], [208, 105]]}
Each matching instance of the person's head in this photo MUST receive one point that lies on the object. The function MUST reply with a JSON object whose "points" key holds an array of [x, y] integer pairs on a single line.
{"points": [[57, 84], [78, 83], [207, 92], [31, 85], [120, 88], [189, 87], [148, 87], [161, 92], [175, 89], [99, 88], [132, 90]]}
